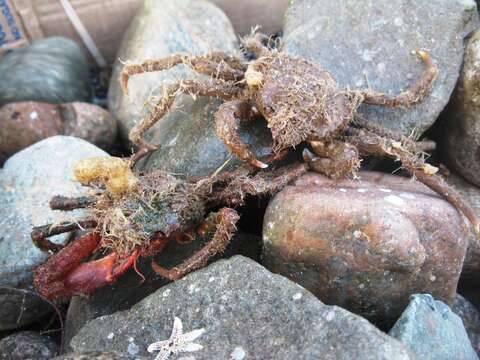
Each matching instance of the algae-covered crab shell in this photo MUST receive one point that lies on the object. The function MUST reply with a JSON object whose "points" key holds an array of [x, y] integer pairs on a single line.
{"points": [[133, 210]]}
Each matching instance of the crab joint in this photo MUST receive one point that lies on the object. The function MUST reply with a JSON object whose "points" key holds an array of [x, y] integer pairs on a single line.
{"points": [[253, 77], [114, 172], [429, 169]]}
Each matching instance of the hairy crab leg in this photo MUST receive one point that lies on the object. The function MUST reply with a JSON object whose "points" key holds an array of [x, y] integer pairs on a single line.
{"points": [[373, 127], [413, 95], [217, 64], [40, 234], [71, 203], [372, 144], [217, 88], [225, 220], [227, 119], [240, 184]]}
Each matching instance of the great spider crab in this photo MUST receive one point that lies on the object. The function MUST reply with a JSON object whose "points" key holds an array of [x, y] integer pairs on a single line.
{"points": [[134, 217], [300, 102]]}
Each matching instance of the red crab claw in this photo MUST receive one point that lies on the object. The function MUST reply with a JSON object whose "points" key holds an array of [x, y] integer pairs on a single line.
{"points": [[64, 274]]}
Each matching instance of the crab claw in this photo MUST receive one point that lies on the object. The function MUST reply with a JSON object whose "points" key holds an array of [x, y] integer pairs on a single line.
{"points": [[93, 275], [64, 274]]}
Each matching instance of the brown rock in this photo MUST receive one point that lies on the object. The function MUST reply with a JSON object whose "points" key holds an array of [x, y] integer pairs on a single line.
{"points": [[365, 245], [462, 125], [89, 122], [25, 123], [471, 194]]}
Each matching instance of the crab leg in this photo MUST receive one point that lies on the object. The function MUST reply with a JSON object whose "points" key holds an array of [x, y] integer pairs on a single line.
{"points": [[40, 233], [68, 203], [241, 183], [217, 64], [227, 119], [372, 144], [413, 95], [225, 221], [218, 88], [373, 127]]}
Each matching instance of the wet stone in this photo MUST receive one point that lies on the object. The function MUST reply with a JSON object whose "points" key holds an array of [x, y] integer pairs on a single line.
{"points": [[462, 120], [20, 306], [24, 123], [471, 319], [98, 355], [186, 133], [432, 331], [246, 312], [27, 345], [52, 70], [27, 182], [370, 46], [365, 245], [471, 195]]}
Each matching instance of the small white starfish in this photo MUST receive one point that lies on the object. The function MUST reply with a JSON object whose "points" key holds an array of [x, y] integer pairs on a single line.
{"points": [[178, 342]]}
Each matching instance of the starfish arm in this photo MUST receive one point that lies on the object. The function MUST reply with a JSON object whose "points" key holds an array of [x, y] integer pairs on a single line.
{"points": [[177, 330], [157, 346], [189, 347], [192, 335]]}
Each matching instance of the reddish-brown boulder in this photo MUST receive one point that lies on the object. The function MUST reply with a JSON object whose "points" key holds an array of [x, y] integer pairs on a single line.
{"points": [[25, 123], [365, 245]]}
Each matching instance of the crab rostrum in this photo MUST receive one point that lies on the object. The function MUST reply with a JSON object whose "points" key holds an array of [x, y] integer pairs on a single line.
{"points": [[135, 216]]}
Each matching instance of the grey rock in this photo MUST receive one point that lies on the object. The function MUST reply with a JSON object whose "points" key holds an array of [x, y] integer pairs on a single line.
{"points": [[52, 70], [27, 345], [98, 355], [191, 146], [27, 182], [432, 331], [471, 319], [20, 306], [187, 135], [245, 310], [373, 40], [462, 120], [129, 289]]}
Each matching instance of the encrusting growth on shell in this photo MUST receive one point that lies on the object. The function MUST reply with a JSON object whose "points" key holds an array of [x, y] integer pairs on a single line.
{"points": [[114, 173]]}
